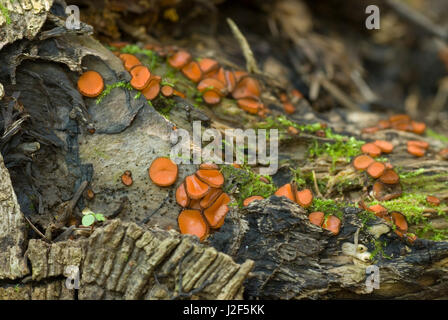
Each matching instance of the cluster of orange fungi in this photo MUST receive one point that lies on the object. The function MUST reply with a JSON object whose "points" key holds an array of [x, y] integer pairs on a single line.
{"points": [[305, 198], [215, 82], [288, 107], [401, 122], [204, 204], [143, 80], [387, 186], [395, 217]]}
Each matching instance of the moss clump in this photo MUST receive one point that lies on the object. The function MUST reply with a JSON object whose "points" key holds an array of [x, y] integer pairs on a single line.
{"points": [[343, 148], [328, 207], [4, 11], [245, 183], [110, 87], [152, 59], [412, 205], [419, 182], [378, 250], [435, 135]]}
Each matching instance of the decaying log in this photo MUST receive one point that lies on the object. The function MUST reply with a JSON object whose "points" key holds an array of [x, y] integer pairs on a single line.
{"points": [[12, 230], [294, 259]]}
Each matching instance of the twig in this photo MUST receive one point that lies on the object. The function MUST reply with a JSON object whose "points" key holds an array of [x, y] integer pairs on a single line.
{"points": [[418, 19], [251, 63], [35, 229], [316, 186]]}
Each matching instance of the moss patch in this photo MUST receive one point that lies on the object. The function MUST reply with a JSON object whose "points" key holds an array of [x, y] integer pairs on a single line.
{"points": [[244, 183]]}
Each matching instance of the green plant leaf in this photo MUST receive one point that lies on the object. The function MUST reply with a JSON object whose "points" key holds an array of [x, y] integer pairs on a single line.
{"points": [[88, 220], [100, 217]]}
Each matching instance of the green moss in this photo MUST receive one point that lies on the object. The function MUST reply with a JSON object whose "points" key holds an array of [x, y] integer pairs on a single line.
{"points": [[152, 59], [378, 250], [329, 207], [412, 205], [435, 135], [110, 87], [4, 11], [418, 182], [244, 183], [306, 180], [342, 149]]}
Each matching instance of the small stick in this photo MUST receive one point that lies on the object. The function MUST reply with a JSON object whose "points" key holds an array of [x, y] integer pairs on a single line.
{"points": [[35, 229], [315, 185], [251, 63], [418, 19]]}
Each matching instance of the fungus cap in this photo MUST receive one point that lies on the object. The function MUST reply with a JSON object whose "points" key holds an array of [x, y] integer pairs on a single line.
{"points": [[211, 97], [249, 200], [389, 177], [129, 61], [90, 84], [249, 105], [317, 218], [385, 146], [181, 196], [179, 59], [247, 87], [217, 211], [140, 77], [195, 188], [362, 162], [376, 169], [191, 222], [192, 71], [332, 224], [210, 197], [167, 91], [213, 178], [371, 149], [126, 178], [163, 172], [286, 191], [152, 90], [304, 198]]}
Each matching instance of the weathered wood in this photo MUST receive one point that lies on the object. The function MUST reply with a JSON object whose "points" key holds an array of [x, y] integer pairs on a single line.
{"points": [[12, 230]]}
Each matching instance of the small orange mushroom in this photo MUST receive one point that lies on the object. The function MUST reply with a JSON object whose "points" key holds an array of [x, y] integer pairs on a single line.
{"points": [[376, 169], [217, 211], [385, 146], [332, 224], [140, 77], [443, 153], [181, 196], [370, 130], [210, 197], [362, 162], [400, 222], [213, 178], [239, 74], [384, 192], [416, 151], [208, 65], [418, 127], [90, 84], [249, 200], [230, 80], [247, 87], [163, 172], [317, 218], [379, 210], [418, 143], [179, 94], [249, 105], [400, 118], [289, 107], [90, 194], [286, 191], [195, 188], [371, 149], [192, 71], [167, 91], [211, 84], [129, 61], [433, 200], [191, 222], [152, 90], [209, 166], [304, 198], [389, 177], [179, 59], [211, 97], [126, 178]]}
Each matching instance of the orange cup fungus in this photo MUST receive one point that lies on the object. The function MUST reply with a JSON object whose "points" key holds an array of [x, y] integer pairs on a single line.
{"points": [[90, 84], [163, 172]]}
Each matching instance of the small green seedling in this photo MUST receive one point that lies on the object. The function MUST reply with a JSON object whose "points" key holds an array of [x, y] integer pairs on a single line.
{"points": [[91, 217]]}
